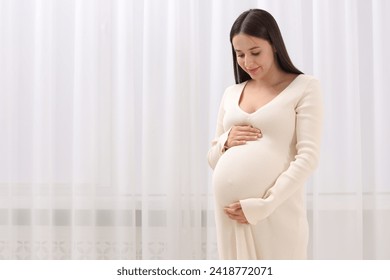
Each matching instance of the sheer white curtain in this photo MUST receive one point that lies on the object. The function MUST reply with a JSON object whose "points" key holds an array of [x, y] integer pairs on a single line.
{"points": [[107, 109]]}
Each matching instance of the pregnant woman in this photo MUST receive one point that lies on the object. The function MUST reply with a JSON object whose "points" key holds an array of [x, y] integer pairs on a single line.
{"points": [[267, 144]]}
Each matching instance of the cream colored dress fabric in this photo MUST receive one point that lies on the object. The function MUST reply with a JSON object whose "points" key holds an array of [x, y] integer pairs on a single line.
{"points": [[267, 175]]}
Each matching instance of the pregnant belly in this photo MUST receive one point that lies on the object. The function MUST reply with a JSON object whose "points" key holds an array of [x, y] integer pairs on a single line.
{"points": [[247, 171]]}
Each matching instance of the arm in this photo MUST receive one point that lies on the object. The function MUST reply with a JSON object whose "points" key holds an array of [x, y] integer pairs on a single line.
{"points": [[221, 136], [234, 136], [308, 133]]}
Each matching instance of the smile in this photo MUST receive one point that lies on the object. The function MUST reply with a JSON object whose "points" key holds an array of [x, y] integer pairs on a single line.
{"points": [[253, 70]]}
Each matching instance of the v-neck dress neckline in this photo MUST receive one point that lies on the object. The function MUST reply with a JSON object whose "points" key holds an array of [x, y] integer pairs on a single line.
{"points": [[269, 102]]}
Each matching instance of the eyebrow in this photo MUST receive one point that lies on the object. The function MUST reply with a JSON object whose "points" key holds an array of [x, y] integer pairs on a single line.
{"points": [[249, 49]]}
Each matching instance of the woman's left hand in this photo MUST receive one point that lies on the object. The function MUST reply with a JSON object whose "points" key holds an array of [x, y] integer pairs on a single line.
{"points": [[234, 212]]}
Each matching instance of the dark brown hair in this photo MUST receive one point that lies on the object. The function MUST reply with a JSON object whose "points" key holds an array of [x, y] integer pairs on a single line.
{"points": [[261, 24]]}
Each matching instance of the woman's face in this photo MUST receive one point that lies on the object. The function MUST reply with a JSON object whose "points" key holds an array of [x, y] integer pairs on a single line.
{"points": [[254, 55]]}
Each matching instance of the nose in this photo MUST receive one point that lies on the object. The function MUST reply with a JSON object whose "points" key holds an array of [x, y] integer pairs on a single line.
{"points": [[248, 62]]}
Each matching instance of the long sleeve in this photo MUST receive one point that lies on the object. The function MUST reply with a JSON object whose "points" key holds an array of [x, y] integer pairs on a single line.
{"points": [[309, 113], [217, 145]]}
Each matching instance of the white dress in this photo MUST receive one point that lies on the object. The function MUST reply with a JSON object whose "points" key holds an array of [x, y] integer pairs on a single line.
{"points": [[267, 175]]}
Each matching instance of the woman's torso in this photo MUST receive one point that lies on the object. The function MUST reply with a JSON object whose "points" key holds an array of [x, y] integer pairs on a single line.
{"points": [[249, 170]]}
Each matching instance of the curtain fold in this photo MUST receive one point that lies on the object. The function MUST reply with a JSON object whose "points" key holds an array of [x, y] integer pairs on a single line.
{"points": [[107, 110]]}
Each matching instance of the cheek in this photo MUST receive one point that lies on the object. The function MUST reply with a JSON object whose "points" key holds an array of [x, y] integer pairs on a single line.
{"points": [[240, 62], [269, 61]]}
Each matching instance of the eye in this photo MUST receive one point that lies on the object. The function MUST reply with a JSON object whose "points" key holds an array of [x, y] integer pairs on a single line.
{"points": [[240, 55], [256, 54]]}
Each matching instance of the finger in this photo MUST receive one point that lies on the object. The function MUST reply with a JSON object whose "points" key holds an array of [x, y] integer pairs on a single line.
{"points": [[235, 205], [248, 128], [235, 133], [231, 211], [241, 137], [254, 129], [233, 215], [237, 143], [245, 134], [238, 219], [247, 137]]}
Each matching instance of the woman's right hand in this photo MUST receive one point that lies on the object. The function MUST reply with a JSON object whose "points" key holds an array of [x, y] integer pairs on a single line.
{"points": [[240, 134]]}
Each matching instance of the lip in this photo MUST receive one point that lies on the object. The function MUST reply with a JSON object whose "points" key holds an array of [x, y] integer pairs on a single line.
{"points": [[253, 70]]}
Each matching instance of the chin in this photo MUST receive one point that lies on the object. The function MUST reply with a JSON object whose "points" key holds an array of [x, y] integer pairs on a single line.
{"points": [[258, 76]]}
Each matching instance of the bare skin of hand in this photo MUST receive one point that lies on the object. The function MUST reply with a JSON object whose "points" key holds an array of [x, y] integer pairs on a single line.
{"points": [[240, 134], [234, 212]]}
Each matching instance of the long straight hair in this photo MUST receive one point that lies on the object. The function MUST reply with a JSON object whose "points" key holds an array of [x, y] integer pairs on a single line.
{"points": [[261, 24]]}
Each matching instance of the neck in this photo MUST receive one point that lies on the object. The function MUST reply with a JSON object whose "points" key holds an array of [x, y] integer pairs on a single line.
{"points": [[273, 77]]}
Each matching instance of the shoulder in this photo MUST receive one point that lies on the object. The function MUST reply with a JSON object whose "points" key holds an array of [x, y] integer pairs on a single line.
{"points": [[233, 90], [308, 81], [307, 84], [310, 91]]}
